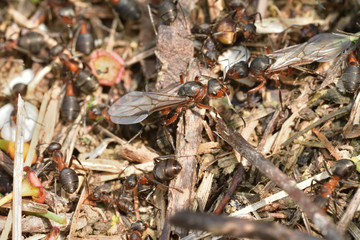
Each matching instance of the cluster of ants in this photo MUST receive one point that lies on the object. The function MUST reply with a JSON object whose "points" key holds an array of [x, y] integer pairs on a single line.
{"points": [[136, 106], [164, 170]]}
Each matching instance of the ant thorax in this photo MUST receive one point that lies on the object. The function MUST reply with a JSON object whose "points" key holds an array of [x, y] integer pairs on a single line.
{"points": [[190, 89]]}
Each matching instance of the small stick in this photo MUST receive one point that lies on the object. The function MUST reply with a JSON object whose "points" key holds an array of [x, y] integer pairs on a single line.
{"points": [[18, 170], [236, 180]]}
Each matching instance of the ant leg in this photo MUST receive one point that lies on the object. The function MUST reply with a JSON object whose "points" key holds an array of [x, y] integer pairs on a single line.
{"points": [[148, 237], [277, 82], [174, 117], [253, 16], [200, 105], [182, 79], [149, 195], [256, 89], [312, 183], [136, 203]]}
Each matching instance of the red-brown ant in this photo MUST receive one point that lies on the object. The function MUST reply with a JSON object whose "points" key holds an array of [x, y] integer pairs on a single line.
{"points": [[342, 169], [258, 69], [84, 79], [136, 106], [98, 112], [121, 203], [67, 177], [164, 170]]}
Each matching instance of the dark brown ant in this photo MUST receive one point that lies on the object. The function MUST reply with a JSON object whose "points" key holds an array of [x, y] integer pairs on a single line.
{"points": [[237, 21], [258, 69], [137, 229], [127, 9], [167, 11], [56, 50], [65, 11], [70, 107], [342, 169], [32, 41], [164, 171], [121, 203], [5, 182], [84, 79], [351, 75], [209, 49], [67, 177], [247, 21], [85, 41]]}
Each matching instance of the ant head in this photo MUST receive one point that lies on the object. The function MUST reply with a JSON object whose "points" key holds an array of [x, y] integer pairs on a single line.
{"points": [[167, 11], [249, 31], [343, 168], [56, 50], [260, 64], [216, 88], [237, 71], [131, 182], [211, 57]]}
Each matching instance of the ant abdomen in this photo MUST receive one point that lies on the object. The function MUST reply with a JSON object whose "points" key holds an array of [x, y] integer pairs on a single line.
{"points": [[69, 180], [166, 170], [343, 168], [351, 78]]}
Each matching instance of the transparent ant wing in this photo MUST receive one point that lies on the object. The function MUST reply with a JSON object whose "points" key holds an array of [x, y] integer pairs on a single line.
{"points": [[135, 106], [322, 47]]}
